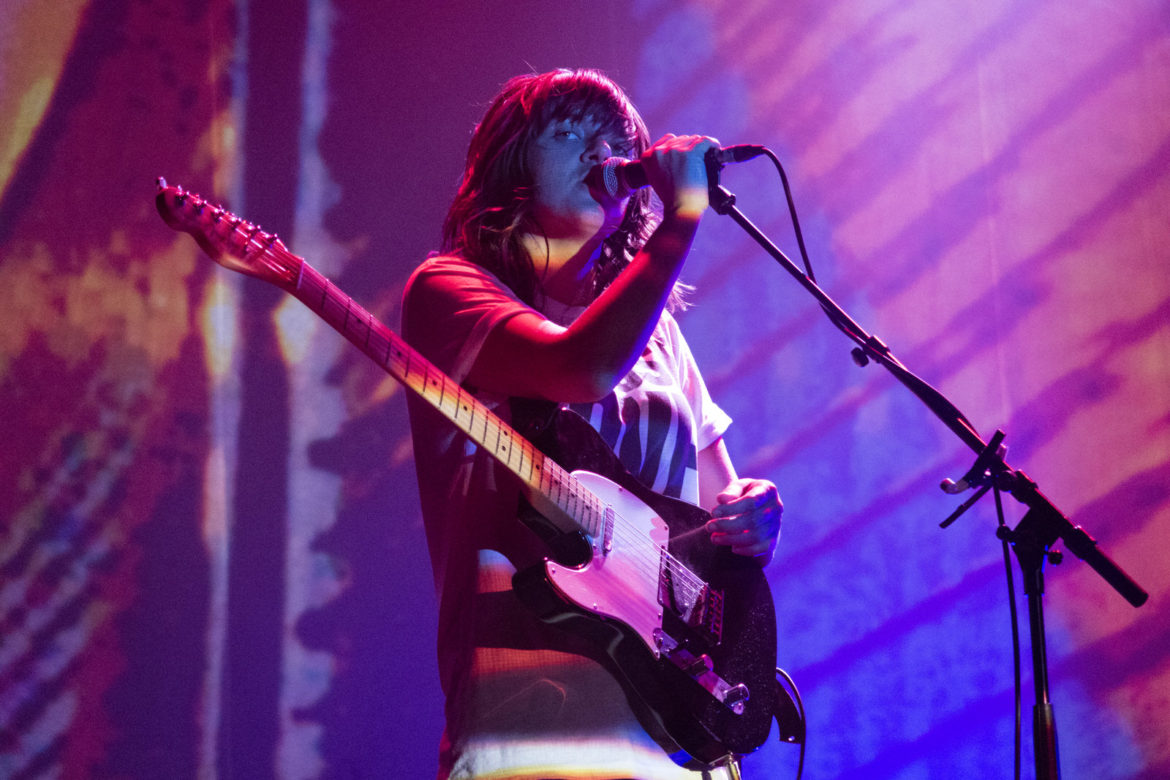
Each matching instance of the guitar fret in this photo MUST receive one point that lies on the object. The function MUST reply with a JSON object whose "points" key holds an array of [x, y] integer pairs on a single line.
{"points": [[390, 351], [436, 386], [369, 328], [414, 377], [380, 345], [464, 404], [472, 422], [444, 395], [565, 495], [490, 430], [525, 466], [517, 458], [504, 446], [530, 463], [591, 515], [553, 488], [538, 463], [398, 361]]}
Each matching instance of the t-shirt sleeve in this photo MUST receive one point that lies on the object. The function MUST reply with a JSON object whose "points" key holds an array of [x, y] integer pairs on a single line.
{"points": [[449, 307], [710, 421]]}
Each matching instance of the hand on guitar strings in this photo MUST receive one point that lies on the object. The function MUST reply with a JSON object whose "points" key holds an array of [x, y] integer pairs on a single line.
{"points": [[747, 518]]}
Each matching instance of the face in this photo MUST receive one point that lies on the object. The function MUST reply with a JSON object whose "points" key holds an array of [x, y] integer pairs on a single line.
{"points": [[560, 158]]}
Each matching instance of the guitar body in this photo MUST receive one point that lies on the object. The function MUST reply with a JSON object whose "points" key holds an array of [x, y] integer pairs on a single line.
{"points": [[615, 604]]}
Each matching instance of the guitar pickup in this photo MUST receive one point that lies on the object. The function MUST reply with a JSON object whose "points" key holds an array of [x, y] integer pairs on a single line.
{"points": [[607, 530], [701, 669]]}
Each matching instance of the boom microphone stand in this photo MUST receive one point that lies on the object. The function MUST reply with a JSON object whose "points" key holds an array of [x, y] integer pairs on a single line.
{"points": [[1042, 525]]}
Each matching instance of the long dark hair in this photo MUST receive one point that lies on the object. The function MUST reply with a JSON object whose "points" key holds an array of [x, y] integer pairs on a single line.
{"points": [[493, 207]]}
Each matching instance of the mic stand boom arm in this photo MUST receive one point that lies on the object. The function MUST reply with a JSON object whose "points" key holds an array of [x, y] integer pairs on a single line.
{"points": [[1041, 525]]}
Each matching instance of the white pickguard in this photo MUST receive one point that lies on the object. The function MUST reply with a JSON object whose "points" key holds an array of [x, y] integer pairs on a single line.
{"points": [[623, 582]]}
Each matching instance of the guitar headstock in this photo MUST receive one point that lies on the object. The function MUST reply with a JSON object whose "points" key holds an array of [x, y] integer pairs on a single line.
{"points": [[227, 239]]}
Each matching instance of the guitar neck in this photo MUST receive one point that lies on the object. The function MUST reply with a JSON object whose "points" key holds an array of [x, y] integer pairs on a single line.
{"points": [[550, 488]]}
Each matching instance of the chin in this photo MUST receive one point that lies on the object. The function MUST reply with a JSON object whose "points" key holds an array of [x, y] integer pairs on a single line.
{"points": [[592, 221], [608, 217]]}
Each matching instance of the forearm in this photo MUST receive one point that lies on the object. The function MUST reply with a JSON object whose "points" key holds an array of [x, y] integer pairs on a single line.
{"points": [[746, 513], [608, 338]]}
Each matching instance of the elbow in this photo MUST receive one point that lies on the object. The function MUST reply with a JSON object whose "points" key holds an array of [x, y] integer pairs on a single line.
{"points": [[583, 378], [582, 375], [589, 387], [601, 377]]}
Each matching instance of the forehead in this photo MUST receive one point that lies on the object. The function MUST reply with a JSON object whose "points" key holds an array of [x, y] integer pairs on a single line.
{"points": [[595, 114], [588, 124]]}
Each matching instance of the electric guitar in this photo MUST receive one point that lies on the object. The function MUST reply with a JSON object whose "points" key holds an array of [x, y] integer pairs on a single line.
{"points": [[689, 627]]}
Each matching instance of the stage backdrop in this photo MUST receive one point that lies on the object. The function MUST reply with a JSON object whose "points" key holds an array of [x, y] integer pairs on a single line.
{"points": [[211, 556]]}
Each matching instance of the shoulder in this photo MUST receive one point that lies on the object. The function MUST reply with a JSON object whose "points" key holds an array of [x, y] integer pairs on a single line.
{"points": [[669, 333], [438, 268], [449, 303], [668, 322], [444, 280]]}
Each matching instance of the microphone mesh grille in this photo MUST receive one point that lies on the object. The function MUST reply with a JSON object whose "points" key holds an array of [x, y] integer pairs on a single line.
{"points": [[609, 176]]}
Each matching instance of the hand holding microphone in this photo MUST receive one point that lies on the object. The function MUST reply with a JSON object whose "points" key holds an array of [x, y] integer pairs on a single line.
{"points": [[619, 177]]}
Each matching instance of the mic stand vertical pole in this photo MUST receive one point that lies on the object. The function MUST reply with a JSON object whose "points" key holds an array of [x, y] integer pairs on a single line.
{"points": [[1032, 545]]}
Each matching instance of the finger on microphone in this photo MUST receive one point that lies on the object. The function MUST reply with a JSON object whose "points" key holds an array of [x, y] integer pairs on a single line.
{"points": [[619, 177]]}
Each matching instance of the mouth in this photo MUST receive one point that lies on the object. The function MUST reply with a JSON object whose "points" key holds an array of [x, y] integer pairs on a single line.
{"points": [[594, 181]]}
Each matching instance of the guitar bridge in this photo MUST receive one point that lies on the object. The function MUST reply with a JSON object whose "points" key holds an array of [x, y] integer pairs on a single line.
{"points": [[694, 601], [701, 669], [709, 614]]}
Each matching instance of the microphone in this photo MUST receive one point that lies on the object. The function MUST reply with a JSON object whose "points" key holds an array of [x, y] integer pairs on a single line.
{"points": [[619, 177]]}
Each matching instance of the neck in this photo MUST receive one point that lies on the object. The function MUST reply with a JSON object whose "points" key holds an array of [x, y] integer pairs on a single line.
{"points": [[565, 267]]}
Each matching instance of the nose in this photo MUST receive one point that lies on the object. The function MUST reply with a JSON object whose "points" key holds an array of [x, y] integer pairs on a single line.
{"points": [[598, 151]]}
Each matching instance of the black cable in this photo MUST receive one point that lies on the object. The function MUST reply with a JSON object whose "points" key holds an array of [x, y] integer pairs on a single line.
{"points": [[843, 326], [1007, 561], [803, 722], [792, 210]]}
